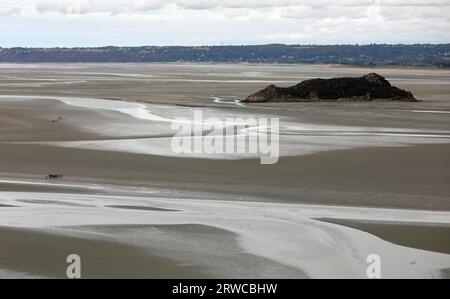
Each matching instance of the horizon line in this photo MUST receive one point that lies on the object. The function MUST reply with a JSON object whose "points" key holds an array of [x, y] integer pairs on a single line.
{"points": [[224, 45]]}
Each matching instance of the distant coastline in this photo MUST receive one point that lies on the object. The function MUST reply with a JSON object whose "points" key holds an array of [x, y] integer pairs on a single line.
{"points": [[382, 55]]}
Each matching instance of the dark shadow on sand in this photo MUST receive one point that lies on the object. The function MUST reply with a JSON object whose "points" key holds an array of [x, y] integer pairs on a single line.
{"points": [[141, 208]]}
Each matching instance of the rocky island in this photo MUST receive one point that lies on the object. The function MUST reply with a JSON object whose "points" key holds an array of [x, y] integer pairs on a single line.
{"points": [[371, 87]]}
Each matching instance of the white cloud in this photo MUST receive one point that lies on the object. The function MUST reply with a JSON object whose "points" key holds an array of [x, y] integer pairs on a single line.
{"points": [[138, 22], [130, 6], [9, 11]]}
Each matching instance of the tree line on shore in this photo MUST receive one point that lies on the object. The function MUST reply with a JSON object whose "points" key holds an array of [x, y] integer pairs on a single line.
{"points": [[420, 55]]}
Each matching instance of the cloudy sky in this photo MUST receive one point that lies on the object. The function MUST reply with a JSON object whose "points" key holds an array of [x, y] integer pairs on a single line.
{"points": [[206, 22]]}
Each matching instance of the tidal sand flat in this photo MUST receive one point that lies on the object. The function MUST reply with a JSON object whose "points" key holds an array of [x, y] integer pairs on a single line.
{"points": [[107, 129], [28, 253], [5, 206], [431, 236], [140, 208], [221, 238], [42, 185], [384, 177]]}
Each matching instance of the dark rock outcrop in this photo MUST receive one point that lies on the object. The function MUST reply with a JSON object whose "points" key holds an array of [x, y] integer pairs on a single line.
{"points": [[371, 87]]}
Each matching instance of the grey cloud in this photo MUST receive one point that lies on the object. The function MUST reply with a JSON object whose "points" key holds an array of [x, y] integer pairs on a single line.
{"points": [[231, 21], [130, 6]]}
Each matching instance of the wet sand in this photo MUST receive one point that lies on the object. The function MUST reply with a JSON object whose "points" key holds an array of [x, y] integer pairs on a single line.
{"points": [[445, 274], [45, 186], [228, 238], [406, 177], [44, 254], [252, 221], [432, 236], [53, 202], [134, 251], [140, 208]]}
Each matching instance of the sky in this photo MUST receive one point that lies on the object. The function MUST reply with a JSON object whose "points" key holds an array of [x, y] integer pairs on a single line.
{"points": [[81, 23]]}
